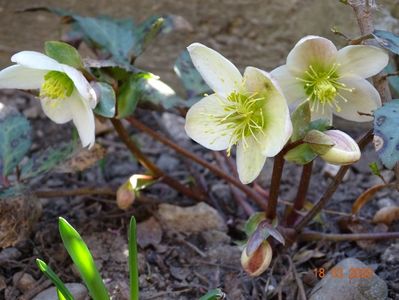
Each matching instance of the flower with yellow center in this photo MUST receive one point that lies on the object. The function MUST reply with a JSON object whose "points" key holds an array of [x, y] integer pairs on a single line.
{"points": [[249, 111], [333, 81], [65, 94]]}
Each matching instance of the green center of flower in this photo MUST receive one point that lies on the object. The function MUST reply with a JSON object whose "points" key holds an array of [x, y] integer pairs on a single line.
{"points": [[323, 88], [243, 117], [57, 85]]}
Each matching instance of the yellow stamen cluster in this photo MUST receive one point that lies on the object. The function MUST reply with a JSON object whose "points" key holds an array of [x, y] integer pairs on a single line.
{"points": [[57, 85], [243, 117], [322, 87]]}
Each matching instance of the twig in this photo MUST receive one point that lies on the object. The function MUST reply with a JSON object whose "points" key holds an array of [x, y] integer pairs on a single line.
{"points": [[301, 193], [149, 165], [337, 237], [275, 186], [332, 187], [214, 169], [75, 192]]}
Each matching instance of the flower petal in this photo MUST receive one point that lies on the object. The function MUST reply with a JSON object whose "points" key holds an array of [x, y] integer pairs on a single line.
{"points": [[58, 110], [83, 118], [278, 127], [36, 60], [364, 98], [217, 71], [202, 127], [19, 77], [311, 50], [82, 85], [293, 89], [250, 160], [361, 60]]}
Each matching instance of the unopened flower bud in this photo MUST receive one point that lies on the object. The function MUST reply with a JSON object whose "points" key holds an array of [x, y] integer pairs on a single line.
{"points": [[345, 151], [125, 196], [259, 261]]}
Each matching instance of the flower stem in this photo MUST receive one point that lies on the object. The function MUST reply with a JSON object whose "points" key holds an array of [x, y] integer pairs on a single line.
{"points": [[275, 185], [301, 193], [216, 170], [149, 165], [332, 187]]}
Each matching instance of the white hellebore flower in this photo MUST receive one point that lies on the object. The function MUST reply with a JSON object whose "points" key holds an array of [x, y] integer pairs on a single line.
{"points": [[333, 81], [249, 111], [65, 94]]}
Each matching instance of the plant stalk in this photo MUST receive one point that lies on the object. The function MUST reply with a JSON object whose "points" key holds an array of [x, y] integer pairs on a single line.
{"points": [[275, 185]]}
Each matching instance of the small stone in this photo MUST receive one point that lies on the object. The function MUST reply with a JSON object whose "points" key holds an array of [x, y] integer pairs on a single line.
{"points": [[78, 291], [149, 233], [330, 170], [391, 254], [175, 125], [23, 281], [385, 202], [9, 254], [350, 279], [197, 218], [167, 162]]}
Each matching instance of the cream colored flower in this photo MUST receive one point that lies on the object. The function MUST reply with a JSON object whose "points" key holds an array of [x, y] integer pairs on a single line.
{"points": [[332, 80], [249, 111], [345, 150], [65, 94]]}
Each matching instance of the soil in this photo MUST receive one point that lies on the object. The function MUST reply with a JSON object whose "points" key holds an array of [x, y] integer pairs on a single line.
{"points": [[182, 265]]}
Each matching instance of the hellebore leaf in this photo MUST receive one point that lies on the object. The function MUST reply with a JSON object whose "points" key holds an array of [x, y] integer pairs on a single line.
{"points": [[386, 135], [191, 79], [262, 232], [301, 154], [63, 53], [387, 40], [393, 80], [253, 222], [128, 97], [300, 121], [15, 138], [106, 99], [47, 160]]}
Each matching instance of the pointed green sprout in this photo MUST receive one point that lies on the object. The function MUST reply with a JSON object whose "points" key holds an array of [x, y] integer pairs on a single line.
{"points": [[83, 260], [62, 291], [133, 263]]}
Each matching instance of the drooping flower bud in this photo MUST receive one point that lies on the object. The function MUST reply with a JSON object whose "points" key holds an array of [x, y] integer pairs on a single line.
{"points": [[125, 195], [259, 261], [345, 151]]}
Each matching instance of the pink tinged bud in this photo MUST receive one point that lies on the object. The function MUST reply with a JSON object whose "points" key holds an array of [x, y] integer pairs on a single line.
{"points": [[125, 196], [345, 151], [259, 261]]}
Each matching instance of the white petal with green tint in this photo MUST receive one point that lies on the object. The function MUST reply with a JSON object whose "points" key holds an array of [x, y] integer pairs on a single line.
{"points": [[57, 110], [203, 128], [363, 61], [278, 128], [82, 85], [83, 118], [311, 51], [250, 160], [364, 98], [218, 72], [36, 60], [291, 86], [19, 77], [325, 113]]}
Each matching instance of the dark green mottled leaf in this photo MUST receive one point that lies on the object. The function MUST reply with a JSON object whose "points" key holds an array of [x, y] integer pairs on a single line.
{"points": [[128, 97], [301, 154], [387, 40], [393, 80], [15, 138], [106, 99], [13, 191], [63, 53], [386, 134], [46, 160], [191, 79]]}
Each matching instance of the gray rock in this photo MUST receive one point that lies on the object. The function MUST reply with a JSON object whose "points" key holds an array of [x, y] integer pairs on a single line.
{"points": [[391, 254], [78, 291], [197, 218], [23, 281], [214, 238], [9, 254], [167, 162], [348, 280]]}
